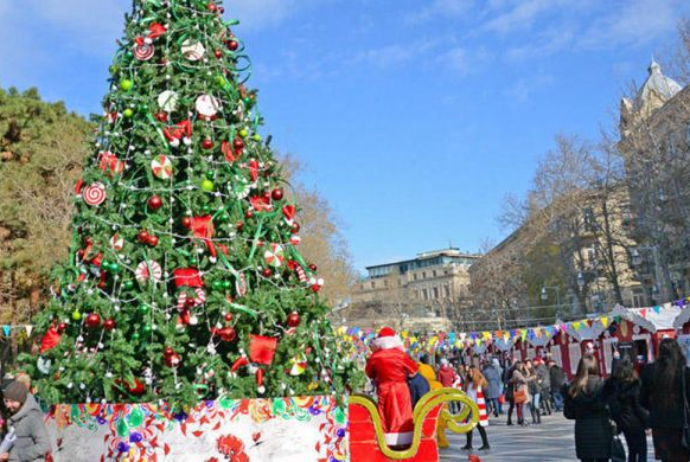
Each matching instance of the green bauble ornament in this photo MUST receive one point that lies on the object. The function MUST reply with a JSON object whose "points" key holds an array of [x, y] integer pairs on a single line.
{"points": [[220, 81], [144, 108], [128, 285], [207, 185], [105, 265], [135, 336], [223, 218], [113, 69], [210, 174], [217, 285], [114, 268], [144, 309], [244, 133], [207, 208], [129, 113], [226, 285], [76, 315], [147, 329], [256, 137], [126, 84]]}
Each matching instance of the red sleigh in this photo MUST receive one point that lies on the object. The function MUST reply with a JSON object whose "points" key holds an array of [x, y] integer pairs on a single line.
{"points": [[367, 442]]}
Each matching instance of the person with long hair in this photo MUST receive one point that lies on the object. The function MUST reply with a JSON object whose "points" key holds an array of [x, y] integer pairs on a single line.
{"points": [[623, 393], [508, 388], [661, 394], [534, 388], [520, 391], [585, 403], [476, 383]]}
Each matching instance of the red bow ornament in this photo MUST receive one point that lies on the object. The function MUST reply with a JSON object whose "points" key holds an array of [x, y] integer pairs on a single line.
{"points": [[109, 163]]}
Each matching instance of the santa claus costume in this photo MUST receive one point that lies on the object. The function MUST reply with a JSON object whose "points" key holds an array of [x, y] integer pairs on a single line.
{"points": [[390, 366]]}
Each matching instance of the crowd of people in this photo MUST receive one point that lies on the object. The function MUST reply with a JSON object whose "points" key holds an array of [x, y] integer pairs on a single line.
{"points": [[628, 405]]}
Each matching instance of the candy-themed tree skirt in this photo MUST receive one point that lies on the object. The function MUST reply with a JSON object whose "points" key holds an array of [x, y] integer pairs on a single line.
{"points": [[300, 429]]}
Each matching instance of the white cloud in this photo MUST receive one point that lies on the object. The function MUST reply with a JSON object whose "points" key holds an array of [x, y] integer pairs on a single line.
{"points": [[395, 54], [524, 88], [523, 14], [546, 44], [448, 8], [638, 22]]}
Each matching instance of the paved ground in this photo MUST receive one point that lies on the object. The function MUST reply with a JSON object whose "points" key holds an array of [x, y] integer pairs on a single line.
{"points": [[553, 440]]}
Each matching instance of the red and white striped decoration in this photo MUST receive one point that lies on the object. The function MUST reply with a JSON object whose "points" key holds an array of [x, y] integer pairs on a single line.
{"points": [[117, 243], [478, 397], [301, 274], [162, 167], [94, 195], [148, 271], [241, 285], [275, 255], [199, 300]]}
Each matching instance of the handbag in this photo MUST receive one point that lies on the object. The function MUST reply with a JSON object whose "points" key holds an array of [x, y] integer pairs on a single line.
{"points": [[617, 450], [685, 437], [520, 396]]}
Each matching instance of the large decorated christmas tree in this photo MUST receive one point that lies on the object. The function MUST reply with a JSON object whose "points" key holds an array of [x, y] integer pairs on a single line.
{"points": [[184, 281]]}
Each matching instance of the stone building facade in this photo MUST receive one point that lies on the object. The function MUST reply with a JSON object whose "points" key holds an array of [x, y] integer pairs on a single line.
{"points": [[426, 292]]}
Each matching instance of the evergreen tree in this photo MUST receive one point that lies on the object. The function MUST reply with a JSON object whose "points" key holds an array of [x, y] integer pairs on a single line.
{"points": [[184, 281]]}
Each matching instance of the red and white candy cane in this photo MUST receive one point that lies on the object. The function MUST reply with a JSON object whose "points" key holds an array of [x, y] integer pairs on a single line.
{"points": [[94, 195], [199, 300], [148, 271], [275, 255], [241, 285]]}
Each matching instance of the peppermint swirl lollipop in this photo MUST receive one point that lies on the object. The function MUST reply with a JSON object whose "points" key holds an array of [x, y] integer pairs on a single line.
{"points": [[94, 195]]}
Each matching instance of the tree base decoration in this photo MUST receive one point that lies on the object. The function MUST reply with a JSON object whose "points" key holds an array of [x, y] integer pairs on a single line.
{"points": [[249, 430]]}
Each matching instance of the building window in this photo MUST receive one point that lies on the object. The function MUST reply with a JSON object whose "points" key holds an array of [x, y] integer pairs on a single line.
{"points": [[415, 276], [436, 292], [423, 274], [446, 289], [385, 283], [425, 294], [373, 284], [434, 273]]}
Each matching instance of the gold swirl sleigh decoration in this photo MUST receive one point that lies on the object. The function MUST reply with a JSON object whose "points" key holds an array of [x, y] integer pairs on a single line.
{"points": [[367, 442]]}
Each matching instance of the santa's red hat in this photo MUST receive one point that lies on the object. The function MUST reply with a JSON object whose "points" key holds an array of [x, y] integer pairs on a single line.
{"points": [[387, 339]]}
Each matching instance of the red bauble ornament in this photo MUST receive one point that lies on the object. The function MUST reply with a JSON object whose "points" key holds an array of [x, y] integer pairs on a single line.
{"points": [[239, 226], [233, 45], [249, 214], [61, 327], [238, 144], [155, 202], [277, 194], [173, 360], [295, 228], [153, 240], [109, 324], [212, 7], [93, 321], [136, 389], [190, 302], [162, 117], [267, 273], [207, 144], [169, 351], [228, 317], [186, 222], [313, 267], [227, 334], [293, 319], [144, 236], [218, 54]]}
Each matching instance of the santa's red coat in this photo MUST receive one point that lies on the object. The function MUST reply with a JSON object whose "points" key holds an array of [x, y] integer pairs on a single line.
{"points": [[390, 368]]}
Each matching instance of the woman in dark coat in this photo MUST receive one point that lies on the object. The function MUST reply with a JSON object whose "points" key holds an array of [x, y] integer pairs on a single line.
{"points": [[662, 395], [623, 392], [586, 404]]}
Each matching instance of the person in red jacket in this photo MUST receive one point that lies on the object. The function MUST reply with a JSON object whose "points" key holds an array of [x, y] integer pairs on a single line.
{"points": [[446, 374], [390, 367]]}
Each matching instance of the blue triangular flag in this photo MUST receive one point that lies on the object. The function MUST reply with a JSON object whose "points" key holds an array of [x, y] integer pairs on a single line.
{"points": [[6, 330]]}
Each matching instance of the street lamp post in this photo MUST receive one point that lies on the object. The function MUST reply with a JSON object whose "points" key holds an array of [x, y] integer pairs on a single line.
{"points": [[545, 296]]}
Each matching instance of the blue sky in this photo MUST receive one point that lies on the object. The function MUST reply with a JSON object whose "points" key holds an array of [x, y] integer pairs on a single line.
{"points": [[414, 117]]}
